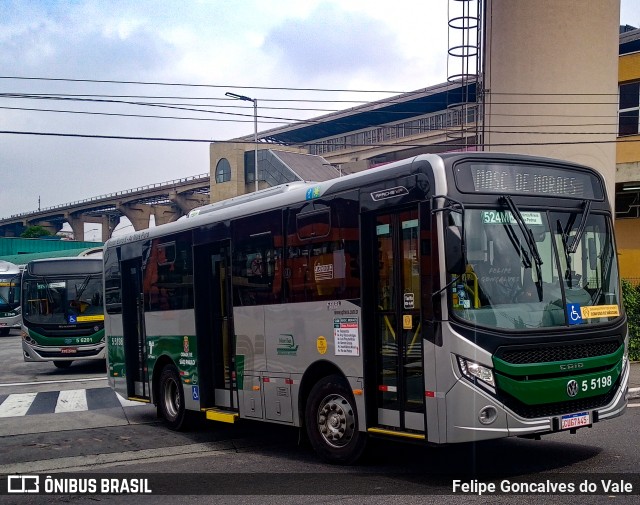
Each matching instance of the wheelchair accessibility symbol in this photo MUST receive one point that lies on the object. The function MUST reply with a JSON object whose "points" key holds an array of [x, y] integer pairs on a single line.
{"points": [[574, 312]]}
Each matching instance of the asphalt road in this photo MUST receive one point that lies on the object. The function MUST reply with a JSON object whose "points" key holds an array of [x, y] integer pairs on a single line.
{"points": [[269, 464]]}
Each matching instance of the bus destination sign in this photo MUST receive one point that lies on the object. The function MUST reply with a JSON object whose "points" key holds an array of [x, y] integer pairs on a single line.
{"points": [[527, 180]]}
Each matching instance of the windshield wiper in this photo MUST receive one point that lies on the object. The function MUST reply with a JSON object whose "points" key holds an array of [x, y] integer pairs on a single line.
{"points": [[530, 240], [83, 286], [564, 233], [526, 262], [580, 231], [526, 231]]}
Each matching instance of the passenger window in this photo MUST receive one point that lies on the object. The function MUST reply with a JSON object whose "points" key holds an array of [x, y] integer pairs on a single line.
{"points": [[257, 260], [322, 252], [168, 273]]}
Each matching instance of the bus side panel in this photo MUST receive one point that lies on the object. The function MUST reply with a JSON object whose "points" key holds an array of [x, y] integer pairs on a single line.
{"points": [[115, 353], [300, 335], [172, 334], [250, 359]]}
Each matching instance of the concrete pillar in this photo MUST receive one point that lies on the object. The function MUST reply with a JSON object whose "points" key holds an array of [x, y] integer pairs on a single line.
{"points": [[165, 213], [77, 225], [188, 202], [11, 230], [109, 222], [138, 214], [551, 71]]}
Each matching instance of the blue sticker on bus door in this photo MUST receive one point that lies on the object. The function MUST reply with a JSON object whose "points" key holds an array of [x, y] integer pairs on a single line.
{"points": [[195, 392], [72, 319], [574, 313]]}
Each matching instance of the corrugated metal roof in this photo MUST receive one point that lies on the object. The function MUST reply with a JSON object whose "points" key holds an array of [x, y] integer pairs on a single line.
{"points": [[389, 110], [22, 259], [18, 245], [307, 167]]}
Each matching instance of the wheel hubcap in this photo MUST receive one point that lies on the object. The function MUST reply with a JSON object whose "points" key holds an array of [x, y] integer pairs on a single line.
{"points": [[172, 398], [336, 421]]}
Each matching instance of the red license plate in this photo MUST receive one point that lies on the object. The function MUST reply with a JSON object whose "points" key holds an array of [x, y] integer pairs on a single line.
{"points": [[68, 350], [575, 420]]}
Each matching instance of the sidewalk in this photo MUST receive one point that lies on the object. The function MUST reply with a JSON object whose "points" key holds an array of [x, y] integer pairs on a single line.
{"points": [[634, 381]]}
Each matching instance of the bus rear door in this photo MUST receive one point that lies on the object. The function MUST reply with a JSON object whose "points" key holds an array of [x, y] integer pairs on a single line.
{"points": [[214, 324], [135, 343]]}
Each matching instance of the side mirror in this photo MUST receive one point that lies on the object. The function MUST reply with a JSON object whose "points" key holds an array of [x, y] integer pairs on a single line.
{"points": [[454, 251]]}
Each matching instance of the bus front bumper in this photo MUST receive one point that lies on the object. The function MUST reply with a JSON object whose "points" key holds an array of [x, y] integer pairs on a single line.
{"points": [[63, 353], [479, 416]]}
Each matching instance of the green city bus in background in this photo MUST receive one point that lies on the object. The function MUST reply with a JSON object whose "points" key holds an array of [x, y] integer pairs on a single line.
{"points": [[10, 312], [441, 299], [63, 310]]}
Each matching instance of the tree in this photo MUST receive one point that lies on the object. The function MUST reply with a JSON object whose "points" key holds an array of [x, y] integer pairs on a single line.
{"points": [[35, 232]]}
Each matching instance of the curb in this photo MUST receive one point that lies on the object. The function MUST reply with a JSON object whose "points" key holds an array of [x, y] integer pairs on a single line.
{"points": [[633, 393]]}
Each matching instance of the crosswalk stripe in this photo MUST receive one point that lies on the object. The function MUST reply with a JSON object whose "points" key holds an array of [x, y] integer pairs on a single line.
{"points": [[49, 402], [17, 404], [71, 400]]}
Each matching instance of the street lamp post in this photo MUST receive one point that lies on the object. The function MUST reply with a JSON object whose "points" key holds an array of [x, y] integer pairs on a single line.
{"points": [[255, 130]]}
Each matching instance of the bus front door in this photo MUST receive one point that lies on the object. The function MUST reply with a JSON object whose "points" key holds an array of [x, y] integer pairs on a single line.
{"points": [[214, 325], [396, 309], [135, 343]]}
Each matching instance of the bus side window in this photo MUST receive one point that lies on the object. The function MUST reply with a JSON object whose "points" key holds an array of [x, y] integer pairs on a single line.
{"points": [[323, 251], [257, 259], [168, 273], [112, 282]]}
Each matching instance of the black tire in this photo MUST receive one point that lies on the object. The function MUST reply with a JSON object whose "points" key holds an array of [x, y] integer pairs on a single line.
{"points": [[331, 420], [62, 364], [171, 398]]}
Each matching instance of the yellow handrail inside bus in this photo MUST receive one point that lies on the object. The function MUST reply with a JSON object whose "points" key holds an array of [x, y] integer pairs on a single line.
{"points": [[471, 276]]}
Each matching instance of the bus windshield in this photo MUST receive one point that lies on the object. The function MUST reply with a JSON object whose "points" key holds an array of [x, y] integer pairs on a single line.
{"points": [[537, 270], [9, 292], [52, 300]]}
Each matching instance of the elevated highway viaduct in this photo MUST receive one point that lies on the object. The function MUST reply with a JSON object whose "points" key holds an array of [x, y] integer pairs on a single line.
{"points": [[166, 201]]}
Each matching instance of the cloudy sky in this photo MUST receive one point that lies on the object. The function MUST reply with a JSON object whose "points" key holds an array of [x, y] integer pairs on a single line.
{"points": [[295, 57]]}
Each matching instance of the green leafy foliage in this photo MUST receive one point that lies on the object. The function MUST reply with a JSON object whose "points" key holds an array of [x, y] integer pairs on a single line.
{"points": [[35, 232], [631, 300]]}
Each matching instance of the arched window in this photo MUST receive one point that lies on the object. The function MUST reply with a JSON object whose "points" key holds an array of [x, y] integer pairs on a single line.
{"points": [[223, 171]]}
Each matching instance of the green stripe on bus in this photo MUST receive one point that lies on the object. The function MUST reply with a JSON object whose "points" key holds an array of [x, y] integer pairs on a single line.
{"points": [[543, 391], [579, 366]]}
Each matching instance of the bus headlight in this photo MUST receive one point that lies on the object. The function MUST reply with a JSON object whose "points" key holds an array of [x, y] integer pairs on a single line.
{"points": [[472, 370]]}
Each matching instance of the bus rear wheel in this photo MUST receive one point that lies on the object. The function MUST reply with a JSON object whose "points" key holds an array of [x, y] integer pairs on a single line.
{"points": [[62, 364], [332, 421], [171, 398]]}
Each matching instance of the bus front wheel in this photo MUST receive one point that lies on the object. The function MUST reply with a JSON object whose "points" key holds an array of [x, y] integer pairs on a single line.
{"points": [[171, 398], [332, 421]]}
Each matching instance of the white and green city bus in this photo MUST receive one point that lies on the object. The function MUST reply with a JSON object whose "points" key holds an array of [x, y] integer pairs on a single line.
{"points": [[10, 318], [445, 298], [63, 310]]}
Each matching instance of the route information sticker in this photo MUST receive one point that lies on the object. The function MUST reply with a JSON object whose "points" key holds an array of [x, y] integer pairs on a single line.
{"points": [[347, 336]]}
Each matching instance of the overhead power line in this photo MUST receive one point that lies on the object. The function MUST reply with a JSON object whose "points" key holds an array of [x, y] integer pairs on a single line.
{"points": [[275, 88], [402, 144], [193, 85]]}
